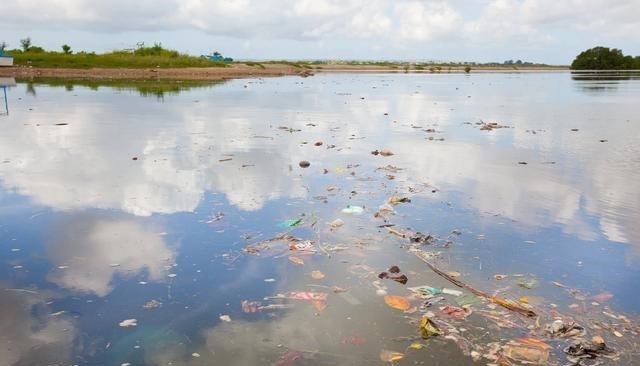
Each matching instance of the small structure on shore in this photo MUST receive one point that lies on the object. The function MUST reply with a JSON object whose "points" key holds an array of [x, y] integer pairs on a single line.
{"points": [[217, 56], [5, 60]]}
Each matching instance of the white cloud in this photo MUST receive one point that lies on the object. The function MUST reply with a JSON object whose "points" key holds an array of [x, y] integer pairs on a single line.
{"points": [[545, 20], [92, 251], [424, 21], [546, 29]]}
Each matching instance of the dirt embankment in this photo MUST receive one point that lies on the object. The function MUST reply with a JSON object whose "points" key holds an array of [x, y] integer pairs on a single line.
{"points": [[204, 73], [236, 70]]}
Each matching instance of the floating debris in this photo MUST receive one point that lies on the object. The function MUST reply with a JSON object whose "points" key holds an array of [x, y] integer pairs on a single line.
{"points": [[382, 152], [128, 323]]}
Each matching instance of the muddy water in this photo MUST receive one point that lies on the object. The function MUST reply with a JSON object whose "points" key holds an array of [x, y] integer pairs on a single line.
{"points": [[112, 196]]}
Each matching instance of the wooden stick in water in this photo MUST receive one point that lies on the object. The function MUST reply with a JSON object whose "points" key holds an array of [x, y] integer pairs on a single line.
{"points": [[507, 304]]}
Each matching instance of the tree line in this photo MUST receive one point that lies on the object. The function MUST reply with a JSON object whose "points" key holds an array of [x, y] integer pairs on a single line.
{"points": [[604, 58]]}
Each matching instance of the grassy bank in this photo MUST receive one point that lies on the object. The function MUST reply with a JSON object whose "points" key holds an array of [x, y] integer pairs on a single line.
{"points": [[146, 57]]}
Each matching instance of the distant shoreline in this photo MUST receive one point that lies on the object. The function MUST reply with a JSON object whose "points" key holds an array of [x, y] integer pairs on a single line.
{"points": [[249, 70]]}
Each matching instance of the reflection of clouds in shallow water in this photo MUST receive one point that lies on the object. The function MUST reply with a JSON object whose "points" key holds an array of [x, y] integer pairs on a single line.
{"points": [[28, 334], [96, 250], [179, 143], [534, 194], [88, 163]]}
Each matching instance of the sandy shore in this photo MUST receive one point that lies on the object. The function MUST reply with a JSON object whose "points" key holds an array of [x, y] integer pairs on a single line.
{"points": [[235, 71], [208, 73]]}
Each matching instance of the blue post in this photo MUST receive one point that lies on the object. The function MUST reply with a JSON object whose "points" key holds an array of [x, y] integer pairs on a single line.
{"points": [[6, 102]]}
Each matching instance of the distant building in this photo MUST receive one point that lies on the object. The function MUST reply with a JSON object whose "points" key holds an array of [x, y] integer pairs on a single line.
{"points": [[5, 60]]}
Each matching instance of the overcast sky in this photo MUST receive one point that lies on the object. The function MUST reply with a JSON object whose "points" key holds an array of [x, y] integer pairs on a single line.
{"points": [[550, 31]]}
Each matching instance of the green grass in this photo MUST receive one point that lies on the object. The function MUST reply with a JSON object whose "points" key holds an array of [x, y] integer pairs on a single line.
{"points": [[141, 58]]}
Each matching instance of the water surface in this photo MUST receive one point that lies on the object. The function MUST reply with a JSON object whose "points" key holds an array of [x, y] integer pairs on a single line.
{"points": [[116, 194]]}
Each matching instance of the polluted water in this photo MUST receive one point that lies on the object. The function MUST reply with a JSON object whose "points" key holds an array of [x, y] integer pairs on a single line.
{"points": [[339, 219]]}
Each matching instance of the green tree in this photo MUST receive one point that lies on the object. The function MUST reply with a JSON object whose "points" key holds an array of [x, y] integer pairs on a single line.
{"points": [[603, 58], [26, 44], [3, 46], [66, 49]]}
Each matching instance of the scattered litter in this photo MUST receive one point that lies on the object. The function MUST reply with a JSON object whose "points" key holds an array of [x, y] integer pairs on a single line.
{"points": [[302, 246], [290, 223], [382, 152], [528, 283], [311, 296], [536, 353], [602, 297], [489, 126], [336, 223], [128, 323], [250, 306], [467, 300], [152, 304], [216, 218], [425, 291], [195, 355], [394, 274], [561, 329], [397, 302], [225, 318], [317, 275], [390, 356], [584, 349], [350, 209], [456, 312], [508, 304], [452, 292], [296, 260], [428, 327], [396, 200]]}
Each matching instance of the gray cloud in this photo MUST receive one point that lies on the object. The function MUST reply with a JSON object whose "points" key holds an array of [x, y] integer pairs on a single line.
{"points": [[408, 20]]}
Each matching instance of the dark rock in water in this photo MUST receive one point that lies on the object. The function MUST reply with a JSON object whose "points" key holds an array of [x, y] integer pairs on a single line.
{"points": [[134, 158], [574, 129], [604, 140], [522, 162], [304, 164], [319, 143]]}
